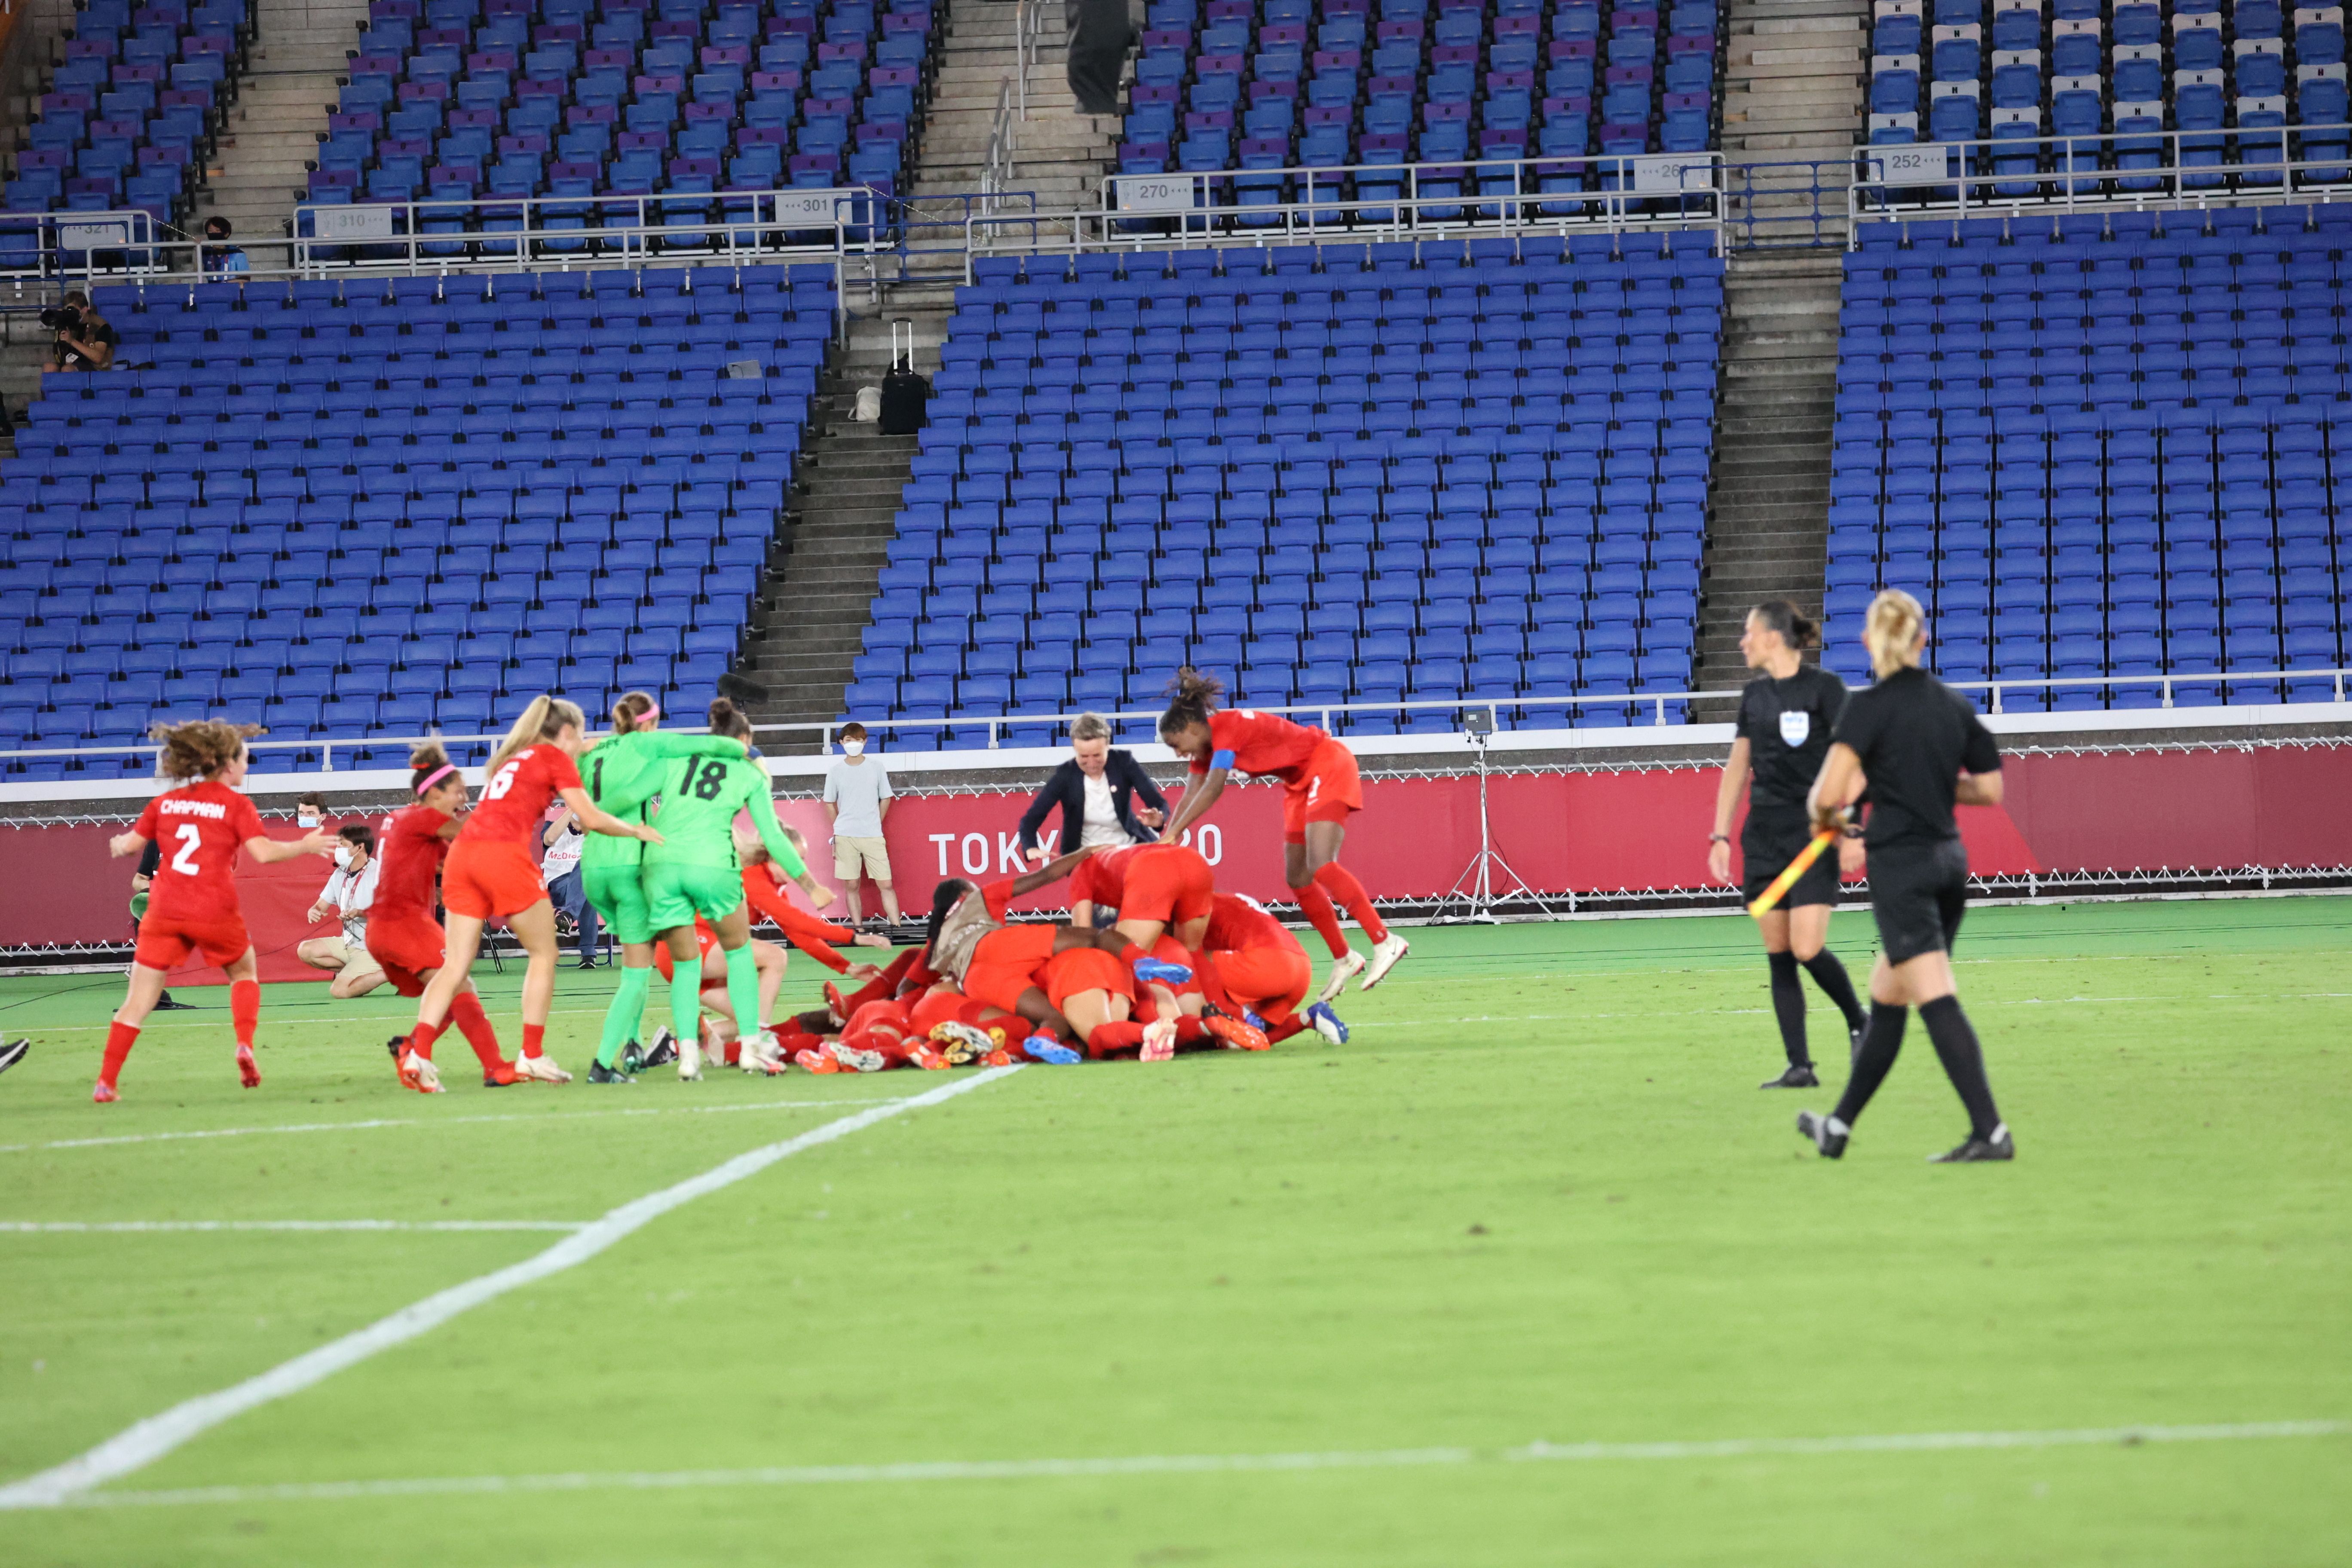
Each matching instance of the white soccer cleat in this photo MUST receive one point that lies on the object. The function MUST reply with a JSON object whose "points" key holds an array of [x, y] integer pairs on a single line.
{"points": [[1158, 1042], [1344, 968], [540, 1069], [761, 1054], [855, 1058], [1385, 953], [417, 1072], [689, 1061]]}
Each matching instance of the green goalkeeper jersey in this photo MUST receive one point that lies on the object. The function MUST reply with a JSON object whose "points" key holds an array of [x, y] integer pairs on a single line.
{"points": [[699, 798], [622, 773]]}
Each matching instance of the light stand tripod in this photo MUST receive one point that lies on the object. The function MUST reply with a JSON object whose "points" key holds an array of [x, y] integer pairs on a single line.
{"points": [[1478, 897]]}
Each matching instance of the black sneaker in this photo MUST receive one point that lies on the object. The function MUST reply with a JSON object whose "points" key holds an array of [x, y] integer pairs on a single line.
{"points": [[599, 1073], [1798, 1076], [2000, 1146], [1831, 1143], [13, 1052], [633, 1058], [663, 1051], [164, 1003]]}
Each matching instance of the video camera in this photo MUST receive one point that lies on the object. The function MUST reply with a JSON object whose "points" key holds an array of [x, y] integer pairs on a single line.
{"points": [[62, 319]]}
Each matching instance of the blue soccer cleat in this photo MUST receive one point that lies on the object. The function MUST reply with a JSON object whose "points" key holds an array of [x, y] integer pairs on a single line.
{"points": [[1327, 1023], [1252, 1020], [1162, 970], [1048, 1049]]}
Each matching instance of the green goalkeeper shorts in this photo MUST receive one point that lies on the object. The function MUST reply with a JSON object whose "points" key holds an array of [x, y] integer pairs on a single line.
{"points": [[676, 894], [619, 894]]}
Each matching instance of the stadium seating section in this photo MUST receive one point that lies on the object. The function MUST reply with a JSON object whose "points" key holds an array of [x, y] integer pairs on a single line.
{"points": [[132, 110], [467, 99], [341, 509], [1241, 84], [2100, 448], [2025, 69], [1334, 473]]}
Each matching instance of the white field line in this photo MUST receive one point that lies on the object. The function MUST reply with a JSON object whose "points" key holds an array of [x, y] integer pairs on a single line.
{"points": [[552, 1118], [141, 1445], [1213, 1464], [72, 1226]]}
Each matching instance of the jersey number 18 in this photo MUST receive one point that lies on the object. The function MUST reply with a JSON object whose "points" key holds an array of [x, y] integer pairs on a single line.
{"points": [[704, 781]]}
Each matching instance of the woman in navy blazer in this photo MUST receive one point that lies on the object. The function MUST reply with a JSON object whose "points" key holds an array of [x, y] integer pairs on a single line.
{"points": [[1113, 779]]}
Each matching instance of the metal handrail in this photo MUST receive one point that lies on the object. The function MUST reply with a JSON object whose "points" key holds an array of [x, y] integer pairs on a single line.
{"points": [[1495, 707], [997, 168]]}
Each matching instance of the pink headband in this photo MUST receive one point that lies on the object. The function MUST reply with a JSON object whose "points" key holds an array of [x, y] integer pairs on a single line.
{"points": [[434, 777], [652, 713]]}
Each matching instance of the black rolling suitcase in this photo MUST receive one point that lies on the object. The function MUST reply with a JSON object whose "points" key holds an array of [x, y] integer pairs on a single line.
{"points": [[906, 396]]}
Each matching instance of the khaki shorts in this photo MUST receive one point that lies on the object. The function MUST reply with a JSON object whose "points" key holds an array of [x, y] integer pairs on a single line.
{"points": [[854, 857], [358, 960]]}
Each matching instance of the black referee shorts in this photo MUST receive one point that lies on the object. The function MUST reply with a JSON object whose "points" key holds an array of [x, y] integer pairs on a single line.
{"points": [[1767, 847], [1917, 894]]}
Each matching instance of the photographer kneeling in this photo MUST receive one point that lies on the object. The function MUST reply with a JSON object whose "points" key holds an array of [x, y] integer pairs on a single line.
{"points": [[85, 340]]}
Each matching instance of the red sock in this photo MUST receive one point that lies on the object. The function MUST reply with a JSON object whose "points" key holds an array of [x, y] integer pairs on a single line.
{"points": [[119, 1041], [1341, 884], [244, 1008], [531, 1036], [792, 1038], [1130, 955], [1277, 1032], [1190, 1031], [465, 1012], [1109, 1038], [421, 1039], [1316, 905]]}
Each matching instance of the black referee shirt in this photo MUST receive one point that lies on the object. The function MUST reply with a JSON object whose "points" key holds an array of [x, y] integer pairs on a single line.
{"points": [[1787, 724], [1915, 736]]}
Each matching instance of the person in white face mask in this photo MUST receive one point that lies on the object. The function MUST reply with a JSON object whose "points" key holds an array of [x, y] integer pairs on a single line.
{"points": [[347, 895], [857, 799]]}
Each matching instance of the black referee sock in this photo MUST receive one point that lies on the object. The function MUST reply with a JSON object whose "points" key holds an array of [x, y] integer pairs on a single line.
{"points": [[1830, 975], [1880, 1043], [1963, 1059], [1789, 1006]]}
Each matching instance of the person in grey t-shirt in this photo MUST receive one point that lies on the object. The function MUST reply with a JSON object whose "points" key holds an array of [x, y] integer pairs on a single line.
{"points": [[857, 797]]}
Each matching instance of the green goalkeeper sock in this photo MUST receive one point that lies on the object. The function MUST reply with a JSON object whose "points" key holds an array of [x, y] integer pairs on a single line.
{"points": [[743, 991], [621, 1018], [686, 1003]]}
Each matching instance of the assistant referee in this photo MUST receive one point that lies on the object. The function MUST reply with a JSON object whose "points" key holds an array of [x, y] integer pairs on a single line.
{"points": [[1917, 748]]}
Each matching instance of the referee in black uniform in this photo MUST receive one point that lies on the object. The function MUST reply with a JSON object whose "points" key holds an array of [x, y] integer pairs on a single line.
{"points": [[1785, 719], [1917, 747]]}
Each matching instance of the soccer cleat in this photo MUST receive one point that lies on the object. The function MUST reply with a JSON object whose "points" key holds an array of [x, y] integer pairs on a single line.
{"points": [[247, 1069], [1385, 953], [962, 1043], [414, 1071], [835, 1004], [1799, 1076], [852, 1060], [104, 1093], [1344, 968], [502, 1076], [1327, 1023], [1002, 1057], [1048, 1049], [540, 1069], [1159, 1041], [1252, 1020], [15, 1051], [1828, 1134], [2000, 1146], [761, 1054], [599, 1073], [817, 1061], [1160, 971], [663, 1051], [1237, 1036], [927, 1058]]}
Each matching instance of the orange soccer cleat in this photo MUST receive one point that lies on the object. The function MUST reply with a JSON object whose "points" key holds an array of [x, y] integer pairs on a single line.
{"points": [[817, 1061], [104, 1093], [924, 1057], [1234, 1035]]}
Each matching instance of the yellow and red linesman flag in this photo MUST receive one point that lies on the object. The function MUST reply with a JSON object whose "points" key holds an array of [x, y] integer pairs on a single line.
{"points": [[1796, 868]]}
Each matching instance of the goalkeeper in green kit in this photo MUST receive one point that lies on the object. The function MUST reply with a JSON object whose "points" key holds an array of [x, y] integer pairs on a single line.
{"points": [[695, 871]]}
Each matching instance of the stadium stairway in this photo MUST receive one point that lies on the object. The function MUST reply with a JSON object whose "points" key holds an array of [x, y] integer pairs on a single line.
{"points": [[1793, 92], [273, 133], [1061, 154], [816, 600], [1769, 535]]}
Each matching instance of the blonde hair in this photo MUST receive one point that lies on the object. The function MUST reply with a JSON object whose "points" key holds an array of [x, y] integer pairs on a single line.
{"points": [[542, 721], [200, 747], [1090, 727], [1893, 632], [630, 711]]}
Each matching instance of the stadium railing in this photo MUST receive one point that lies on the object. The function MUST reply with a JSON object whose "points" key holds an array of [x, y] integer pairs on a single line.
{"points": [[1988, 177], [1496, 710], [43, 244]]}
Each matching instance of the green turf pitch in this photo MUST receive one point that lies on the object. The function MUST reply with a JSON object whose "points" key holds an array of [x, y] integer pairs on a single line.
{"points": [[1538, 1198]]}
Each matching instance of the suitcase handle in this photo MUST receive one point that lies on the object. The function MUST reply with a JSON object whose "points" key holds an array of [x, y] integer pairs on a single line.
{"points": [[902, 358]]}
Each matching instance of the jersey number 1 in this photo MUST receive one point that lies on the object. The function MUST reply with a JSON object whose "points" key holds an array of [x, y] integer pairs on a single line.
{"points": [[185, 859]]}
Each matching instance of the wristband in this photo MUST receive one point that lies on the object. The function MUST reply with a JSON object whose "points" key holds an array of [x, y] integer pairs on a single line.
{"points": [[1718, 838]]}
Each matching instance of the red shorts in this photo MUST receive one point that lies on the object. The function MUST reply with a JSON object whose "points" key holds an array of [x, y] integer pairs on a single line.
{"points": [[1084, 969], [1005, 964], [165, 943], [407, 950], [1328, 791], [705, 938], [1269, 981], [876, 1024], [490, 880], [1169, 883]]}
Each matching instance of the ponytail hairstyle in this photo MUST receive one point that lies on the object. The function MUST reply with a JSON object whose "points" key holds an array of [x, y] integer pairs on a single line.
{"points": [[944, 899], [1893, 632], [542, 721], [635, 710], [1192, 695], [199, 747], [1798, 630], [429, 769], [727, 720]]}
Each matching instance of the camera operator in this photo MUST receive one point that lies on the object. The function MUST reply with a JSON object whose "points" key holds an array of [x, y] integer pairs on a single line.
{"points": [[85, 341]]}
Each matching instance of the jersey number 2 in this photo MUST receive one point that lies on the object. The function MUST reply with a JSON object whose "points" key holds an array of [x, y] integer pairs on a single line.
{"points": [[705, 782], [185, 859]]}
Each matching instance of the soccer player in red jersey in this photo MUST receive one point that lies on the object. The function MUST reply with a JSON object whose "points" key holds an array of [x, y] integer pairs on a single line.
{"points": [[492, 874], [1255, 968], [192, 903], [725, 1037], [1161, 895], [1321, 791], [402, 934]]}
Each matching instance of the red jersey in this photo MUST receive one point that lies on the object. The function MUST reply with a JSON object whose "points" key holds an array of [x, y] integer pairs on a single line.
{"points": [[515, 800], [996, 896], [1238, 924], [1102, 878], [409, 851], [806, 932], [199, 830], [1264, 745]]}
